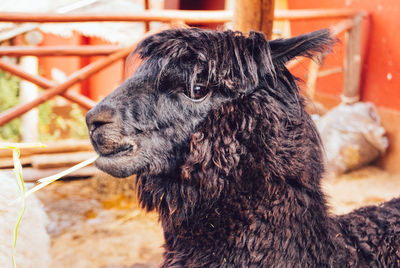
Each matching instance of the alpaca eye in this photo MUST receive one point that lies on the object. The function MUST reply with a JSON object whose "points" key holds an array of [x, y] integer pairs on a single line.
{"points": [[198, 93]]}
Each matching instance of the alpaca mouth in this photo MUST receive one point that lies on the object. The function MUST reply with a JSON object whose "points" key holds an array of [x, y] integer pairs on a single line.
{"points": [[113, 162], [123, 150]]}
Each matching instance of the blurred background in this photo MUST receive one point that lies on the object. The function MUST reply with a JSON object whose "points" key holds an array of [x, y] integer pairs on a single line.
{"points": [[59, 57]]}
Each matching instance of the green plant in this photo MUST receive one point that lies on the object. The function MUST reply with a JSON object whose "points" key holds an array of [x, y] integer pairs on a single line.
{"points": [[78, 122], [53, 126], [73, 125], [15, 147], [20, 182], [9, 97]]}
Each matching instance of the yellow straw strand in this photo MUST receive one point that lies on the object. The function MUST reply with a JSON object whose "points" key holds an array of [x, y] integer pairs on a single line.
{"points": [[21, 186], [46, 181], [13, 145]]}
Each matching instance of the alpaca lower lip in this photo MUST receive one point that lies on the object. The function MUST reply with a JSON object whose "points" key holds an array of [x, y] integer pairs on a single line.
{"points": [[121, 151]]}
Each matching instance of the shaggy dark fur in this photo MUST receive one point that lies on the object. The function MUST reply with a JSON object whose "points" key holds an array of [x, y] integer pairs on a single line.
{"points": [[214, 127]]}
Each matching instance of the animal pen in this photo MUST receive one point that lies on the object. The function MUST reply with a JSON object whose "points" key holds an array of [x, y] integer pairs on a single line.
{"points": [[42, 162], [349, 23]]}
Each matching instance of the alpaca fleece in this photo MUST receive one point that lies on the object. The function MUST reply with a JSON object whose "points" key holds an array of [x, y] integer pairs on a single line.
{"points": [[214, 127]]}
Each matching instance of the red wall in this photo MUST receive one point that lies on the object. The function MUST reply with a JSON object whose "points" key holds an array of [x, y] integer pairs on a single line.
{"points": [[96, 86], [380, 82], [66, 64], [105, 81]]}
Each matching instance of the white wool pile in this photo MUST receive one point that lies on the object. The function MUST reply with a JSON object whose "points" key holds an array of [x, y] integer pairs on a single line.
{"points": [[33, 242]]}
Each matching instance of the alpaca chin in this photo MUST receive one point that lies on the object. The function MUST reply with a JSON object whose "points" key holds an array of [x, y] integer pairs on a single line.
{"points": [[111, 163]]}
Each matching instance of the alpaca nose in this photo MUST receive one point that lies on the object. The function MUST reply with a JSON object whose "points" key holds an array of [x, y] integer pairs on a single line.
{"points": [[98, 116]]}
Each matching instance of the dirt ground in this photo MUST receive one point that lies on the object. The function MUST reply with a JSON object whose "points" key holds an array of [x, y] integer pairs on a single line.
{"points": [[366, 186], [96, 222]]}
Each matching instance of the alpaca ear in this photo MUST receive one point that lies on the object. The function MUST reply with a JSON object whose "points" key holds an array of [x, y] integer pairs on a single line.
{"points": [[307, 45]]}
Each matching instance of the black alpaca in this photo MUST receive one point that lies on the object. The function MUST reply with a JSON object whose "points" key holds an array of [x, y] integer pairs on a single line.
{"points": [[214, 127]]}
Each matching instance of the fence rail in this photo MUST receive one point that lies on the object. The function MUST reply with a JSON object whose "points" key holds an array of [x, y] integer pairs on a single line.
{"points": [[83, 51], [187, 16], [350, 24]]}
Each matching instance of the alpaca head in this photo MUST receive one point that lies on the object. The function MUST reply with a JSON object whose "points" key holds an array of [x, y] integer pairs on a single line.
{"points": [[148, 124]]}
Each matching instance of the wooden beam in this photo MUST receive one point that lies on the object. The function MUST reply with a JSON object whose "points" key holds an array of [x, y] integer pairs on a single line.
{"points": [[76, 77], [188, 16], [52, 147], [8, 162], [341, 27], [45, 84], [267, 17], [27, 92], [352, 63], [17, 51], [33, 174], [146, 5], [312, 78], [44, 161], [257, 15], [17, 71], [331, 71], [307, 14]]}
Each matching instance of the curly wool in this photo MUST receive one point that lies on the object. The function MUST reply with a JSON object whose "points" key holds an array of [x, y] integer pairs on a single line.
{"points": [[248, 191], [235, 177]]}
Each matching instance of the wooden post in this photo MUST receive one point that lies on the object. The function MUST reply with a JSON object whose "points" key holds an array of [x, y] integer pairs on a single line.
{"points": [[56, 51], [312, 78], [46, 84], [352, 62], [255, 15], [74, 78], [189, 16], [29, 91], [146, 23]]}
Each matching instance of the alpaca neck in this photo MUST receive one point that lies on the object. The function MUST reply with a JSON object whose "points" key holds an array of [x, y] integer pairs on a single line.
{"points": [[271, 222]]}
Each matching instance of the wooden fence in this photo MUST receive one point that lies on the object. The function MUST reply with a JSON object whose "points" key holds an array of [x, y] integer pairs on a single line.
{"points": [[350, 23]]}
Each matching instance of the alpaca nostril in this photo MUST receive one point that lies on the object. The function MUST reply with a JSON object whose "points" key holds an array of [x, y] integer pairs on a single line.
{"points": [[95, 125], [98, 124], [99, 116]]}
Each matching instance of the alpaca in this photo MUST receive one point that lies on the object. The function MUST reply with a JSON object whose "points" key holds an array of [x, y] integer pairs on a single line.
{"points": [[33, 241], [214, 126]]}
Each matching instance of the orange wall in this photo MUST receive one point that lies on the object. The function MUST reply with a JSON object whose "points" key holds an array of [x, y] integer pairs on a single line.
{"points": [[380, 81], [96, 86], [105, 81], [66, 64]]}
